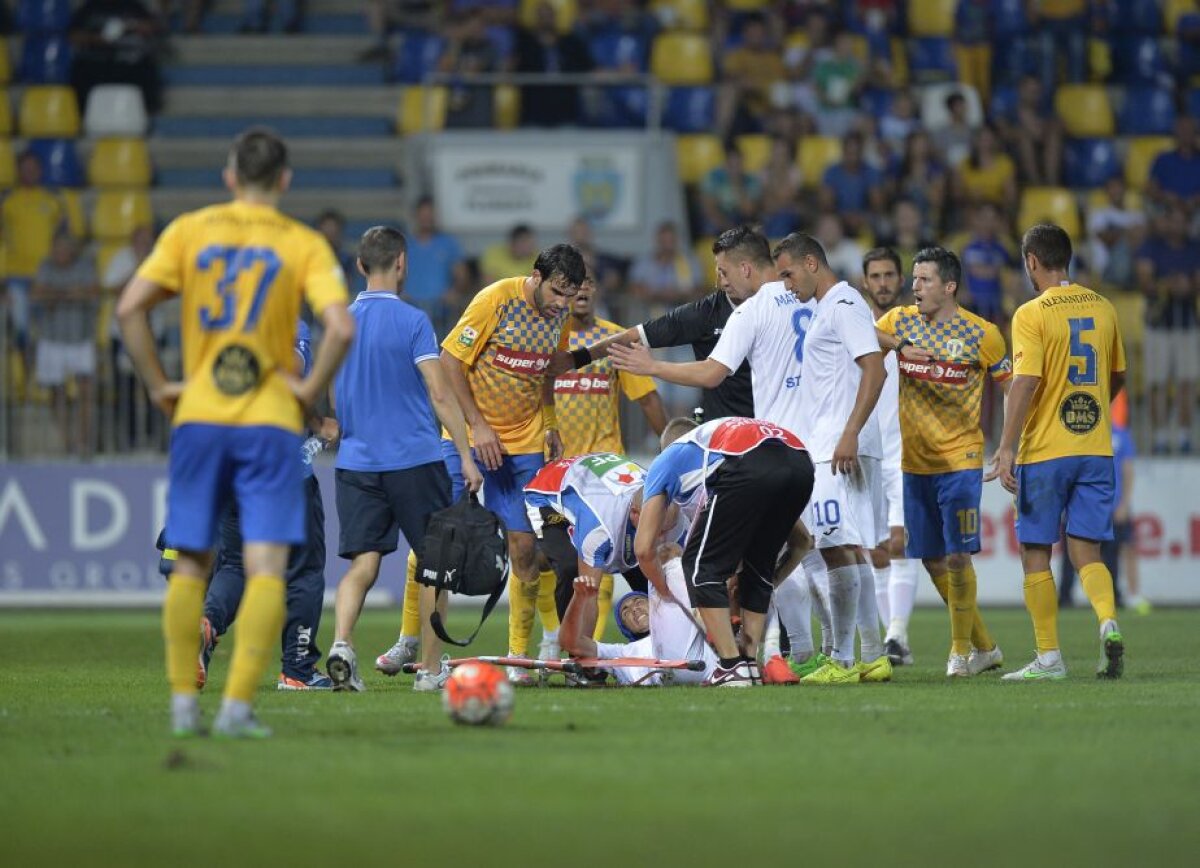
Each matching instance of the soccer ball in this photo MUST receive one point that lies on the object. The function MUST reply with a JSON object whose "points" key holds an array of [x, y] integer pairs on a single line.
{"points": [[478, 694]]}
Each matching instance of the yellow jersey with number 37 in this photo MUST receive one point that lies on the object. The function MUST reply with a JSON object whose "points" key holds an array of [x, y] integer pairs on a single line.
{"points": [[1069, 337], [241, 270]]}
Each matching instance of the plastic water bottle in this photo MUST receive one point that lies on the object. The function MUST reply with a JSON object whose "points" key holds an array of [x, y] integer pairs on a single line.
{"points": [[310, 448]]}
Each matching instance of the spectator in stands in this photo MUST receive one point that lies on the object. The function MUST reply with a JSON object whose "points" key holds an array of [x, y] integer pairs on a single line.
{"points": [[116, 42], [752, 70], [437, 270], [909, 234], [667, 276], [987, 265], [1175, 175], [1035, 134], [1168, 273], [66, 298], [921, 177], [973, 44], [839, 77], [954, 137], [607, 269], [469, 51], [844, 254], [782, 182], [852, 188], [899, 122], [515, 256], [29, 217], [1062, 28], [543, 49], [1115, 233], [604, 17], [987, 175], [332, 224], [802, 57], [729, 195], [258, 15], [382, 15]]}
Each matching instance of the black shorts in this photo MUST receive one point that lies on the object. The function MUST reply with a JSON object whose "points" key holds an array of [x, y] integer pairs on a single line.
{"points": [[754, 501], [374, 508]]}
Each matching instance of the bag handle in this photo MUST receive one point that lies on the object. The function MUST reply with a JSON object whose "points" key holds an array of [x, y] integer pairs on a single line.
{"points": [[439, 629]]}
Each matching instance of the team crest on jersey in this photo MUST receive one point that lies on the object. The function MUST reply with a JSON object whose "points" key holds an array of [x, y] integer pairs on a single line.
{"points": [[1079, 413], [597, 188], [955, 347], [468, 336]]}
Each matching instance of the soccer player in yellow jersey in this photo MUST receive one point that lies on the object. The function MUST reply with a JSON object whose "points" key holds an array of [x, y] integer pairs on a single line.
{"points": [[1069, 363], [942, 460], [242, 269], [496, 358]]}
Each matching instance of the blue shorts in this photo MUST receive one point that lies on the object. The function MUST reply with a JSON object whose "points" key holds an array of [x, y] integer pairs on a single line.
{"points": [[503, 489], [1082, 486], [941, 513], [256, 466]]}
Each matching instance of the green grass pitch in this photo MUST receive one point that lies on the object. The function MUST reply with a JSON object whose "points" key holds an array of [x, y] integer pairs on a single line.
{"points": [[918, 772]]}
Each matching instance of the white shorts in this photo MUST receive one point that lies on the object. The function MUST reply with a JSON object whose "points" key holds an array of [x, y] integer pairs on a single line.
{"points": [[893, 493], [848, 511], [1171, 355], [57, 362]]}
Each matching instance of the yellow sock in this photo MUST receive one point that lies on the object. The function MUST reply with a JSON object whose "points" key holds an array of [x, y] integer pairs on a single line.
{"points": [[410, 622], [1041, 599], [962, 610], [980, 637], [522, 602], [259, 623], [1098, 585], [183, 608], [603, 606], [546, 605]]}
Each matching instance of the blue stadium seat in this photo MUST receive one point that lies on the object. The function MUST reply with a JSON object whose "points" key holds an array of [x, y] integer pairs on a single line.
{"points": [[931, 59], [1193, 102], [619, 107], [503, 39], [60, 163], [612, 49], [1008, 19], [418, 53], [1013, 58], [1137, 16], [1138, 60], [690, 109], [877, 101], [44, 16], [1090, 162], [45, 60], [1189, 50], [1003, 103], [1148, 111]]}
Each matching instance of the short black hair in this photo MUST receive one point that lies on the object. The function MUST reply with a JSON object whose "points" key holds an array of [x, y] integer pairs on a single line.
{"points": [[948, 267], [1050, 244], [744, 242], [425, 199], [799, 245], [259, 157], [379, 248], [332, 214], [876, 254], [564, 260], [519, 230]]}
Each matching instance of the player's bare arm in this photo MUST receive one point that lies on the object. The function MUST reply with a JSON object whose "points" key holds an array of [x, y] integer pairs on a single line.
{"points": [[574, 635], [563, 361], [845, 456], [450, 414], [133, 315], [636, 359], [554, 444], [487, 445], [1016, 407], [645, 542], [338, 334]]}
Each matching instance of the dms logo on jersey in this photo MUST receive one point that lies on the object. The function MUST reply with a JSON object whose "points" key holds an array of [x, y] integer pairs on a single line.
{"points": [[1079, 413], [597, 188], [520, 361]]}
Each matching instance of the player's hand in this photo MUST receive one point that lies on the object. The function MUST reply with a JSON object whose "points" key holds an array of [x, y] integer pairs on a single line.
{"points": [[472, 478], [913, 353], [1121, 514], [330, 431], [554, 444], [587, 586], [633, 359], [845, 455], [560, 363], [1002, 469], [487, 445], [166, 396]]}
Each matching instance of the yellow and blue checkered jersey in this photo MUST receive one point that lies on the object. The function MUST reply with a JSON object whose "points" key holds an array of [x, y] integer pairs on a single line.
{"points": [[588, 400], [505, 346], [241, 270], [940, 400], [1069, 337]]}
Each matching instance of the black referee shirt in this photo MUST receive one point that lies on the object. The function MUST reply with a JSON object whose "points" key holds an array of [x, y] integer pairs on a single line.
{"points": [[700, 324]]}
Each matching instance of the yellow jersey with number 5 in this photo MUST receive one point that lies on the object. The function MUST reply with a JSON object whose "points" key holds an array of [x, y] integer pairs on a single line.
{"points": [[1069, 337]]}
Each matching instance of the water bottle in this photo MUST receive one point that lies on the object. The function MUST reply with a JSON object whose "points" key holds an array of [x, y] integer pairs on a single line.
{"points": [[310, 448]]}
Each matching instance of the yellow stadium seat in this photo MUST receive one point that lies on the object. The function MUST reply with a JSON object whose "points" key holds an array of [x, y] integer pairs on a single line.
{"points": [[72, 201], [796, 39], [506, 106], [421, 110], [746, 5], [119, 163], [682, 58], [860, 48], [899, 62], [565, 13], [815, 154], [1099, 59], [1140, 158], [1050, 204], [6, 118], [702, 247], [1085, 110], [931, 17], [5, 63], [8, 165], [118, 212], [49, 112], [682, 14], [1173, 10], [697, 155], [755, 150], [1097, 199]]}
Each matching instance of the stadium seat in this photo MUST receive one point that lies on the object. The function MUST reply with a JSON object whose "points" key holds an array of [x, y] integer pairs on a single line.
{"points": [[6, 118], [618, 107], [682, 14], [899, 62], [1138, 60], [931, 17], [1012, 59], [1137, 16], [682, 58], [506, 106], [5, 63], [565, 12], [1099, 199], [933, 104], [49, 111], [1131, 315], [1053, 204], [1090, 162], [746, 5], [1084, 110], [8, 164], [115, 110], [1099, 57], [1141, 156], [418, 53], [422, 110], [815, 154], [1147, 111], [44, 16], [46, 60], [1009, 20], [1193, 102], [697, 155], [1189, 50], [60, 163], [1173, 10], [119, 163], [690, 109], [755, 150], [615, 49], [702, 247], [117, 213], [931, 58], [72, 201]]}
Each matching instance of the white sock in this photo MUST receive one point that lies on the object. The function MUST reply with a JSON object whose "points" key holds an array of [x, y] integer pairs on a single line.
{"points": [[235, 709], [770, 640], [868, 616], [1050, 658], [793, 599], [550, 635], [882, 580], [843, 609], [902, 591], [818, 594]]}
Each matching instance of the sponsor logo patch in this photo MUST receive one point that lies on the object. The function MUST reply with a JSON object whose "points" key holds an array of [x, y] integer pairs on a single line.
{"points": [[520, 361], [935, 372], [1079, 413], [468, 336], [583, 384]]}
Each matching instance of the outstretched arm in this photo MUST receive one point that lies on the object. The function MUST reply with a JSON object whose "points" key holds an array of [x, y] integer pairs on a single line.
{"points": [[573, 635], [636, 359]]}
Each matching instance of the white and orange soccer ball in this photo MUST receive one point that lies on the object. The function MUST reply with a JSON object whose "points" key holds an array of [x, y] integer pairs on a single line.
{"points": [[478, 694]]}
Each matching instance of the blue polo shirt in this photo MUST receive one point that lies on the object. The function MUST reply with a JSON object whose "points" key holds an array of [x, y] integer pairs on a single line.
{"points": [[850, 189], [382, 404], [983, 262], [1177, 174], [431, 266]]}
